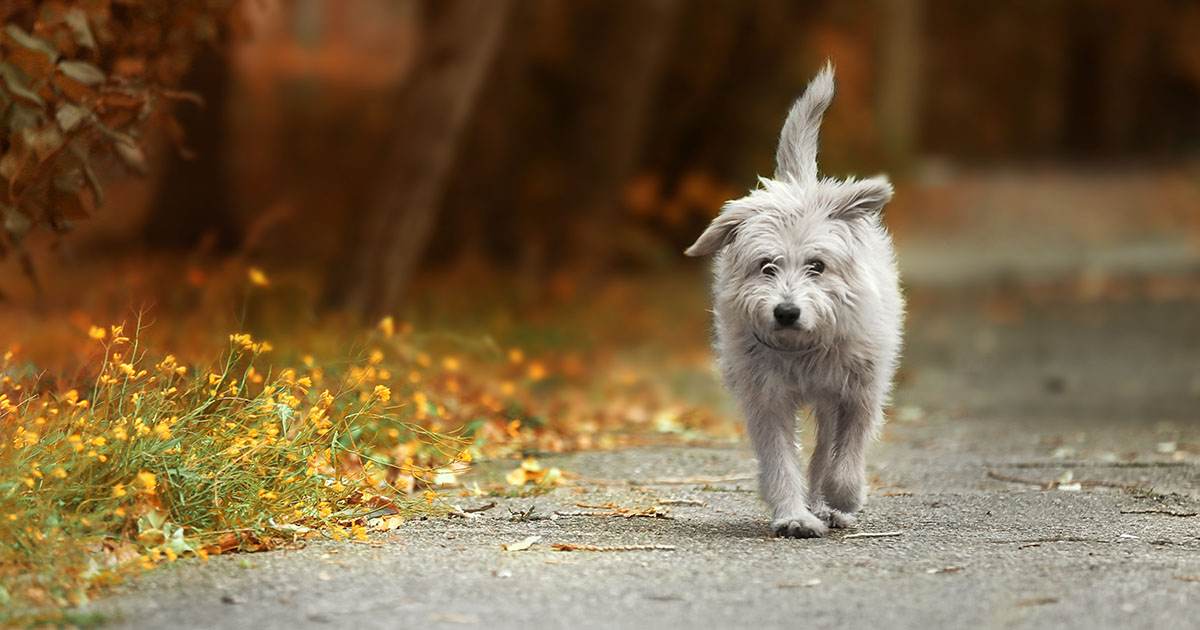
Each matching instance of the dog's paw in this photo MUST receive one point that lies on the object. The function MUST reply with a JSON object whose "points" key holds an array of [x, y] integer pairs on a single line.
{"points": [[803, 525], [835, 519], [846, 497]]}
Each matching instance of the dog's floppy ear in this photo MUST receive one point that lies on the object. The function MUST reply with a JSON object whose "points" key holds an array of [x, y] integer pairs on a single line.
{"points": [[796, 157], [721, 231], [863, 197]]}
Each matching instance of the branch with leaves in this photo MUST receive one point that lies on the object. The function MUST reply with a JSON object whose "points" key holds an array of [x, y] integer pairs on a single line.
{"points": [[78, 83]]}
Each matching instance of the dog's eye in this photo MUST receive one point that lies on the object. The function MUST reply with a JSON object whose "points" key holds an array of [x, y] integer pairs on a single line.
{"points": [[768, 267], [816, 266]]}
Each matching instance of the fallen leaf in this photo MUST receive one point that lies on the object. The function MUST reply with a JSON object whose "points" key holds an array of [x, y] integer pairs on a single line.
{"points": [[388, 523], [522, 545], [805, 583], [871, 535], [1037, 601], [531, 471]]}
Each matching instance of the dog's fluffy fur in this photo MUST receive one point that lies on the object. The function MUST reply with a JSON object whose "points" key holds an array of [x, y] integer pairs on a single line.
{"points": [[808, 313]]}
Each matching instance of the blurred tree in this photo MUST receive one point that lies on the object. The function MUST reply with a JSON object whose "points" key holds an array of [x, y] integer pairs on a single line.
{"points": [[619, 65], [569, 108], [382, 249]]}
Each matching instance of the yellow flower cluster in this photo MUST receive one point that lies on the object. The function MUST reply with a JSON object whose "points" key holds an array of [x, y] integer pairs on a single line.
{"points": [[244, 341]]}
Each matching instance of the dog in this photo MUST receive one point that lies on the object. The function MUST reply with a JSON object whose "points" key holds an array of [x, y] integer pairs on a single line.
{"points": [[808, 312]]}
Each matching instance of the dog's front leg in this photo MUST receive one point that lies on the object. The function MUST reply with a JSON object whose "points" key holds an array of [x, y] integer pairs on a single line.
{"points": [[772, 428]]}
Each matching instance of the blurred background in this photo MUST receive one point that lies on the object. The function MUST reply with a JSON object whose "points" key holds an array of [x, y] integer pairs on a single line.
{"points": [[532, 169]]}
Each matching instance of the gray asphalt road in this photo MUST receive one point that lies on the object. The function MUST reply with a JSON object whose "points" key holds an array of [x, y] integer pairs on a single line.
{"points": [[1104, 400]]}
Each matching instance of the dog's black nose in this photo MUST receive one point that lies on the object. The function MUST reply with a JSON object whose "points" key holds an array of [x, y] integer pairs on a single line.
{"points": [[787, 314]]}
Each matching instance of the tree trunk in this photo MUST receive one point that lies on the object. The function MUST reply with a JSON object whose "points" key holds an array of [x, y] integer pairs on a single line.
{"points": [[618, 81], [193, 200], [382, 251], [900, 80]]}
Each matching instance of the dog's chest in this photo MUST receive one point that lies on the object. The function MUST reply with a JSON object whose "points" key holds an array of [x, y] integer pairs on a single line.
{"points": [[818, 373]]}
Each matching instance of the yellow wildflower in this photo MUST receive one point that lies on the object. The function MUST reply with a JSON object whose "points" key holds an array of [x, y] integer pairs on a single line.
{"points": [[97, 333], [118, 490], [537, 371], [383, 393], [257, 277], [148, 481], [388, 326]]}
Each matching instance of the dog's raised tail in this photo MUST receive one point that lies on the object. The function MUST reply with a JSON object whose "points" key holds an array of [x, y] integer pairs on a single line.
{"points": [[796, 157]]}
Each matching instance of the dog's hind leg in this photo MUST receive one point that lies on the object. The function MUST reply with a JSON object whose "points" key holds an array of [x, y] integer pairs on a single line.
{"points": [[772, 428], [820, 466], [853, 422]]}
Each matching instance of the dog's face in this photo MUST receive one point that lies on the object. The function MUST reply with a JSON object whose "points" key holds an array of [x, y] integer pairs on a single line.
{"points": [[793, 261], [793, 254]]}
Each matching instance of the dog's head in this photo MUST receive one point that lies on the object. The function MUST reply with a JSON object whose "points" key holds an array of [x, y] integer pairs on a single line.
{"points": [[793, 254]]}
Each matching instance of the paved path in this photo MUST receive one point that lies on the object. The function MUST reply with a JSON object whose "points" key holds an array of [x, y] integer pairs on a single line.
{"points": [[1106, 398]]}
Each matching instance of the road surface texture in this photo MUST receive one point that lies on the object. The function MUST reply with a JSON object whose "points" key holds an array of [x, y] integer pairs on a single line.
{"points": [[1097, 401]]}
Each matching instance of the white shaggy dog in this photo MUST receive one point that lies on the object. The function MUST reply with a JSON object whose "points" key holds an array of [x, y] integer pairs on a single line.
{"points": [[808, 313]]}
